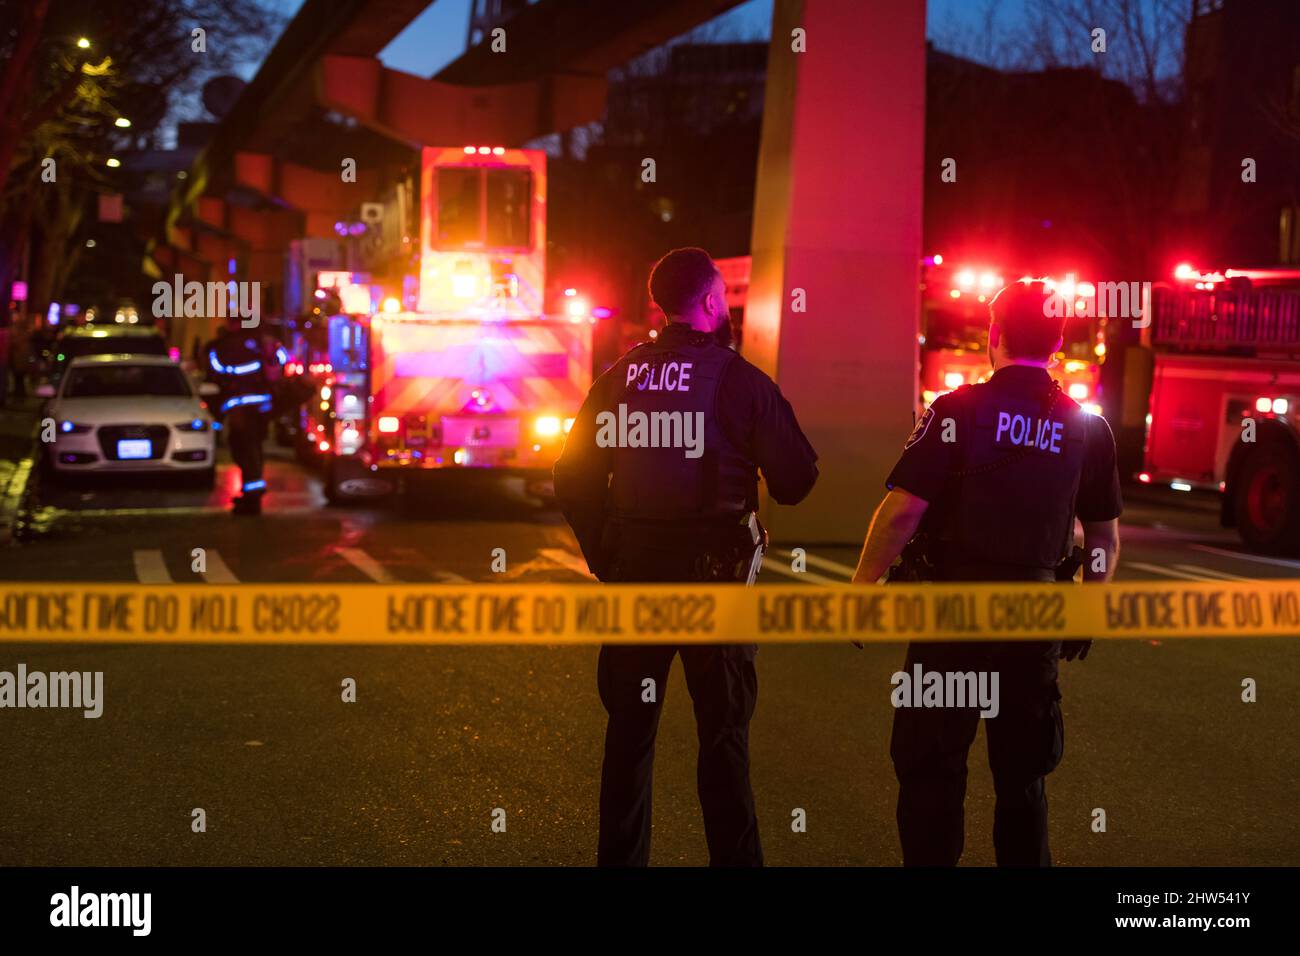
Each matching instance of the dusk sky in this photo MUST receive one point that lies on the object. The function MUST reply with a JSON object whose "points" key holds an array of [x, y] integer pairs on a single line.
{"points": [[437, 36]]}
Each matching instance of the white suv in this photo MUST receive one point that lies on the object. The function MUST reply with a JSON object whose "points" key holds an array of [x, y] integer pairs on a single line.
{"points": [[130, 413]]}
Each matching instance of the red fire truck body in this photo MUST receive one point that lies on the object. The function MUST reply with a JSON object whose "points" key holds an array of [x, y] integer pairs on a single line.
{"points": [[1223, 406]]}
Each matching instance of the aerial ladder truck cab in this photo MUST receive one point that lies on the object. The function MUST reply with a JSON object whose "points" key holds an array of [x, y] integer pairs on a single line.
{"points": [[1225, 396], [477, 376]]}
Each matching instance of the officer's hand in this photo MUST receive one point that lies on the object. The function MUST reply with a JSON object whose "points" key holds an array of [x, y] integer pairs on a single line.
{"points": [[1072, 649]]}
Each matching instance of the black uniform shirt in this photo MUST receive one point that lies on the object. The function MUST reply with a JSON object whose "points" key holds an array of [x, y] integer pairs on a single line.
{"points": [[751, 410], [925, 468]]}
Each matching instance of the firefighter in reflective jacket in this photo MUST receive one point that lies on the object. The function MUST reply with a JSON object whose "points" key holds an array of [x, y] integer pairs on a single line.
{"points": [[658, 479], [993, 477], [236, 362]]}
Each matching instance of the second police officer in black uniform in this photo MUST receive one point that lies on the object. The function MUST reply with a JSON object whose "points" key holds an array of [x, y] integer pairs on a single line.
{"points": [[236, 363], [993, 477], [682, 511]]}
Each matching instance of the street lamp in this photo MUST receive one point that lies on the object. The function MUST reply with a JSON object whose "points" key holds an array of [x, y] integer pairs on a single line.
{"points": [[122, 123], [83, 43], [112, 162]]}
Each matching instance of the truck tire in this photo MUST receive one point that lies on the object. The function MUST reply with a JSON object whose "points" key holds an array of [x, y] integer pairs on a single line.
{"points": [[1267, 499]]}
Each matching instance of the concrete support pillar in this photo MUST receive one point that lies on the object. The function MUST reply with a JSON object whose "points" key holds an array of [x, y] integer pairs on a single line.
{"points": [[833, 300]]}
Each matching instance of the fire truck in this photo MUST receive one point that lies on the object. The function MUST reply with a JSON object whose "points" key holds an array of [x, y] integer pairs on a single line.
{"points": [[1224, 396], [955, 329], [476, 376]]}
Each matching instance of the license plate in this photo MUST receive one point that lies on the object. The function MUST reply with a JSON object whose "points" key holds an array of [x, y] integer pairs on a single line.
{"points": [[135, 448]]}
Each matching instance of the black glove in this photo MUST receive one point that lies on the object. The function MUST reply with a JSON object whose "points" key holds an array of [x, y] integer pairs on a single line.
{"points": [[1072, 649]]}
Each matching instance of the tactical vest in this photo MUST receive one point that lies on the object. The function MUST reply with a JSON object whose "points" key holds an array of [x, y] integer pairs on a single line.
{"points": [[1021, 459], [664, 394]]}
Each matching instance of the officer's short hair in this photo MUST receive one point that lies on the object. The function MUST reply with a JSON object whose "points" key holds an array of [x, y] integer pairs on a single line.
{"points": [[681, 278], [1029, 327]]}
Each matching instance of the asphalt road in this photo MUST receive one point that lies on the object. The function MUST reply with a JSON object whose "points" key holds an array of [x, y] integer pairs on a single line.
{"points": [[1156, 733]]}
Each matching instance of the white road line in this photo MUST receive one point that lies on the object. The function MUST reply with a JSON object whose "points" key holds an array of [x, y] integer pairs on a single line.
{"points": [[568, 559], [1165, 572], [150, 568], [422, 564], [1241, 555], [1212, 572], [366, 565], [826, 564], [218, 571], [782, 568]]}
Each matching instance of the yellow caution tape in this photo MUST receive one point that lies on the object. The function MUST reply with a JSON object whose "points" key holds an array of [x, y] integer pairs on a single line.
{"points": [[463, 614]]}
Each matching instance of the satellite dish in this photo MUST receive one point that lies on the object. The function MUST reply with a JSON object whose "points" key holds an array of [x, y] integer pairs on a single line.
{"points": [[220, 94]]}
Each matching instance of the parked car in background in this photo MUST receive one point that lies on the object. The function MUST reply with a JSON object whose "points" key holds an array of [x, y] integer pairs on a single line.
{"points": [[130, 413], [99, 339]]}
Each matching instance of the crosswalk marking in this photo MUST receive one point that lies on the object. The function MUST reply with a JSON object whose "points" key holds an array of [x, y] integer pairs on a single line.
{"points": [[1165, 572], [150, 568], [1212, 572], [1242, 556], [218, 571], [566, 558], [418, 562], [811, 576], [366, 565]]}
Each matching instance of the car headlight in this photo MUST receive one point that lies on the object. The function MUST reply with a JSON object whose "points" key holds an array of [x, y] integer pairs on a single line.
{"points": [[193, 425], [547, 426], [72, 428]]}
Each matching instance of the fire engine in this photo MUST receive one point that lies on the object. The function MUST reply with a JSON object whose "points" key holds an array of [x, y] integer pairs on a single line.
{"points": [[476, 375], [1223, 406], [955, 328]]}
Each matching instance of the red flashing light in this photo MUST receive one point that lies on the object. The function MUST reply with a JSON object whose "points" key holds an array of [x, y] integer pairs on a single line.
{"points": [[324, 446], [1144, 478]]}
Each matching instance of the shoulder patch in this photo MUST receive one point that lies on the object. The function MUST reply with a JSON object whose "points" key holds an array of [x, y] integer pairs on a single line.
{"points": [[922, 426]]}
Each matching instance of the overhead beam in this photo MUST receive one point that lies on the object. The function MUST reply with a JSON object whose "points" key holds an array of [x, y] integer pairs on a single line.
{"points": [[428, 112], [590, 37]]}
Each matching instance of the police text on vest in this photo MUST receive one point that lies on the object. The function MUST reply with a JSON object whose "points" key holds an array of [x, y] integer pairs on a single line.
{"points": [[669, 377], [1041, 433], [651, 430]]}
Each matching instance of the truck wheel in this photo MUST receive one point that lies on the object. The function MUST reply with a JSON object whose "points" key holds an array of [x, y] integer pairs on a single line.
{"points": [[348, 482], [1267, 500]]}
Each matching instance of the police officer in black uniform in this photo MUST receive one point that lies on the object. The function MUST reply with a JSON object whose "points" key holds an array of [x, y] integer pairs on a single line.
{"points": [[236, 363], [993, 477], [680, 513]]}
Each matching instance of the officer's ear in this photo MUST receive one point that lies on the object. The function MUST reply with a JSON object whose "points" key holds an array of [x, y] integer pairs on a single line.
{"points": [[995, 335]]}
